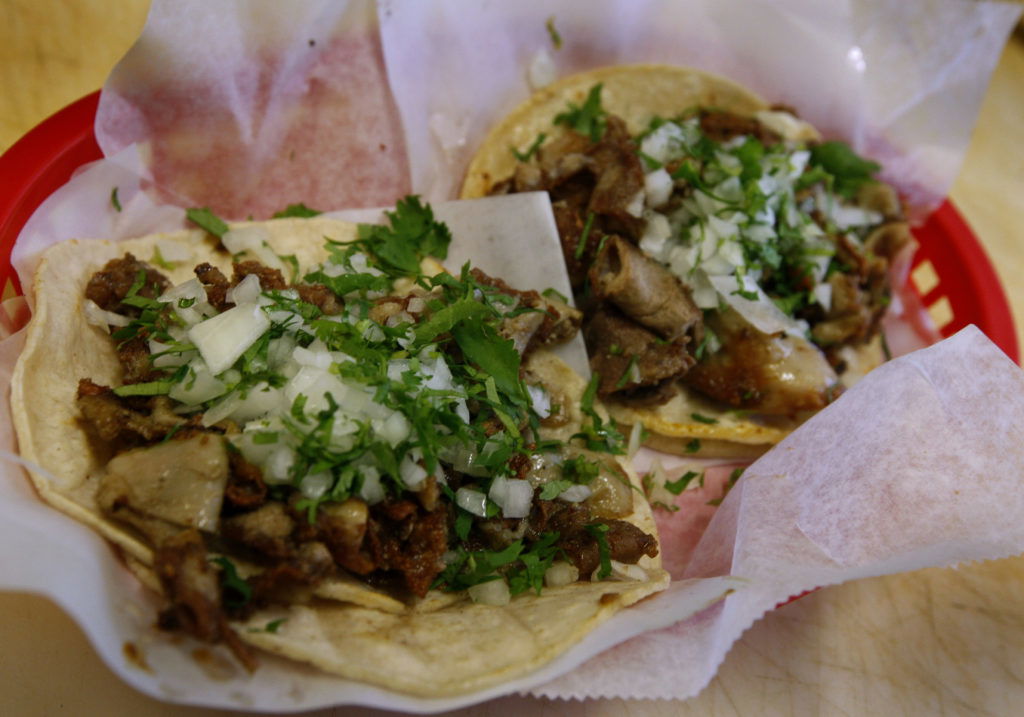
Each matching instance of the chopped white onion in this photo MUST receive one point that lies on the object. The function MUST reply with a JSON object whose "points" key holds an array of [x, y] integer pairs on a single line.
{"points": [[539, 400], [224, 338], [472, 501], [575, 494], [635, 434], [542, 70], [372, 491], [101, 318], [492, 592], [199, 387], [658, 187], [222, 409], [561, 573], [247, 291], [412, 473], [278, 466], [513, 496], [625, 571], [395, 428], [315, 485]]}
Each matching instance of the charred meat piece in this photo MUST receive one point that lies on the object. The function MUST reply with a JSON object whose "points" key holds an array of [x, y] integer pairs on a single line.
{"points": [[321, 297], [620, 179], [108, 287], [292, 580], [593, 186], [551, 322], [266, 530], [628, 356], [193, 590], [246, 489], [216, 285], [342, 527], [125, 421], [723, 126], [136, 365], [270, 279], [774, 374], [645, 291], [403, 538]]}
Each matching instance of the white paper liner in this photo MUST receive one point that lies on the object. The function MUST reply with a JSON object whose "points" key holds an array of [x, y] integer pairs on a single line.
{"points": [[232, 107]]}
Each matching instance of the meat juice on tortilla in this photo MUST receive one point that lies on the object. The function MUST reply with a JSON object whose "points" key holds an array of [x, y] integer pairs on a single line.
{"points": [[733, 268], [341, 453]]}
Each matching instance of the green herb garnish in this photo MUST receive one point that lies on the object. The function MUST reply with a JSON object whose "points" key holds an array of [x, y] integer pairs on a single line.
{"points": [[588, 119], [206, 219]]}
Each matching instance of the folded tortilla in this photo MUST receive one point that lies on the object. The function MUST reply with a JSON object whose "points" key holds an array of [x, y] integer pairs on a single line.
{"points": [[637, 94], [441, 645]]}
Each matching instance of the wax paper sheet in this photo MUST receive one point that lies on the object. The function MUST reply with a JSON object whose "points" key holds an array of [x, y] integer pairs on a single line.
{"points": [[249, 106]]}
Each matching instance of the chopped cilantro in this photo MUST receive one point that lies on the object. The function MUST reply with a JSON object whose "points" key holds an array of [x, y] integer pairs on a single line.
{"points": [[587, 119], [597, 435], [598, 531], [531, 150], [237, 592], [206, 219], [149, 388], [533, 563], [849, 169], [412, 234], [550, 293], [584, 236], [627, 375], [703, 419], [553, 489], [114, 201], [556, 39], [299, 210], [678, 486], [692, 446], [580, 469]]}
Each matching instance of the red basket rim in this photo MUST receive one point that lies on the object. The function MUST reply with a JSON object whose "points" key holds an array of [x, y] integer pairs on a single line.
{"points": [[45, 159]]}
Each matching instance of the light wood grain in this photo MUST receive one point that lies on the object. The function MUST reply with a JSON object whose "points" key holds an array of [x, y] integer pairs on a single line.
{"points": [[931, 642]]}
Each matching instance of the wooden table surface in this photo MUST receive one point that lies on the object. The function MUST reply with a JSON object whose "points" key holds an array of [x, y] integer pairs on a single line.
{"points": [[930, 642]]}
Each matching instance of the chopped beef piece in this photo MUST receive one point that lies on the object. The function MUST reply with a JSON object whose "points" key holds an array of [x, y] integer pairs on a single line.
{"points": [[627, 543], [628, 356], [270, 279], [404, 539], [246, 488], [216, 285], [266, 530], [499, 533], [136, 365], [193, 590], [723, 126], [125, 421], [553, 322], [645, 291], [775, 374], [292, 581], [108, 287], [321, 297], [342, 528], [620, 180]]}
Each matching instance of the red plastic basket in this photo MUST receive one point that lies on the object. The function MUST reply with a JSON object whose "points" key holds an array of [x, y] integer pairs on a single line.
{"points": [[953, 276]]}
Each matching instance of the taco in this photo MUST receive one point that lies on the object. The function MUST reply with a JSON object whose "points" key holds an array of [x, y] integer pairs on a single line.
{"points": [[369, 465], [733, 269]]}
